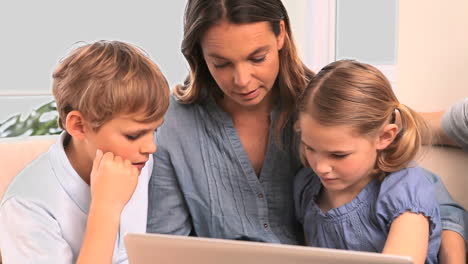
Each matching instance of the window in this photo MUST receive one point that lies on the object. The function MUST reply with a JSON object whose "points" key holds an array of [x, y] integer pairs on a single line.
{"points": [[35, 38], [365, 30]]}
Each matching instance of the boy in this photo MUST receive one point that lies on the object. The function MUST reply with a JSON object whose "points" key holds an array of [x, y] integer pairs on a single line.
{"points": [[74, 203]]}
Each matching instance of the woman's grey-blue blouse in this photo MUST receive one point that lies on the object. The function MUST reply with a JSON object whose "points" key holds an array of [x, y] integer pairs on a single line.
{"points": [[203, 183]]}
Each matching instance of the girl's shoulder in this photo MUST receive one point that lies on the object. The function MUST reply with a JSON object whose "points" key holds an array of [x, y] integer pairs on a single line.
{"points": [[407, 190], [406, 180]]}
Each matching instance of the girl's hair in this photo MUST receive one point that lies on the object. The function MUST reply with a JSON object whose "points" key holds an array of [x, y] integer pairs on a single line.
{"points": [[107, 78], [200, 85], [355, 94]]}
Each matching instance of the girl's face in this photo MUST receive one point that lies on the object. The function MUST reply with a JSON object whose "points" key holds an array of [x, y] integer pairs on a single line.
{"points": [[243, 60], [342, 159]]}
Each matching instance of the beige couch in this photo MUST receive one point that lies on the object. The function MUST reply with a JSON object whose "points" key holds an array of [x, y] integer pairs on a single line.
{"points": [[450, 163], [16, 153]]}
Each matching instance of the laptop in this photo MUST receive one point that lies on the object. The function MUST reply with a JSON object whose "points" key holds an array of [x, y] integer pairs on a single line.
{"points": [[171, 249]]}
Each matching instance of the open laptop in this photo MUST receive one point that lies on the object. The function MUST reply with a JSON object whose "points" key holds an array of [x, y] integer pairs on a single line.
{"points": [[156, 248]]}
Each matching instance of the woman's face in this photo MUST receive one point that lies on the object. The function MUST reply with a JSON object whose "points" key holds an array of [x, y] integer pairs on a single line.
{"points": [[243, 60]]}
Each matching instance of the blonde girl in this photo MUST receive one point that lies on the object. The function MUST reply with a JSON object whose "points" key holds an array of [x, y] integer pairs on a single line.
{"points": [[360, 141]]}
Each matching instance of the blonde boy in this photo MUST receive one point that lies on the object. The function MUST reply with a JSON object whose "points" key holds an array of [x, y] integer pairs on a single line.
{"points": [[74, 203]]}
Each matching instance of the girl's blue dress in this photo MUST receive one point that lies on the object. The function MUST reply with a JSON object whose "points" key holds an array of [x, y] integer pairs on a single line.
{"points": [[364, 223]]}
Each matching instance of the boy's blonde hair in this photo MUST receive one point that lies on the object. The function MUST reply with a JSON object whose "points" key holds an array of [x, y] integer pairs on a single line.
{"points": [[355, 94], [107, 78]]}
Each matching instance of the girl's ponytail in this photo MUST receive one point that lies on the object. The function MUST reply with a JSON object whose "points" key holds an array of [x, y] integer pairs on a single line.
{"points": [[407, 144]]}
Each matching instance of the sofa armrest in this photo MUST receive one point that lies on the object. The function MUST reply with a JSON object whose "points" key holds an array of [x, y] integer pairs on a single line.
{"points": [[451, 164], [17, 152]]}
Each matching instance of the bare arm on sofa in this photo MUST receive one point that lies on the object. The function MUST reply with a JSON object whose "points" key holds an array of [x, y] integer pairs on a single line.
{"points": [[450, 127], [439, 137]]}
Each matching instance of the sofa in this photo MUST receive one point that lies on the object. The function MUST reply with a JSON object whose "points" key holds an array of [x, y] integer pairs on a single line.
{"points": [[449, 163], [17, 152]]}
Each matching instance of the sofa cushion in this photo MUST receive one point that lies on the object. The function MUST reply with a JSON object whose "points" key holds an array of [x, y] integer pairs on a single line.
{"points": [[16, 153], [451, 164]]}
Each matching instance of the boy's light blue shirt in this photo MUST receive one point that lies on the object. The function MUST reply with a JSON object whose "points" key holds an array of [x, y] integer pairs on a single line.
{"points": [[44, 212]]}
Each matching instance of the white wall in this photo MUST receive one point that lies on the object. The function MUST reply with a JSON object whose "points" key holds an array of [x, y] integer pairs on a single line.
{"points": [[297, 18], [431, 72], [35, 35], [40, 33], [432, 44], [432, 69]]}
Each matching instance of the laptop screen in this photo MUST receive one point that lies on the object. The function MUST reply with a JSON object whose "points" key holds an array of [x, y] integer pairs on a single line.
{"points": [[156, 248]]}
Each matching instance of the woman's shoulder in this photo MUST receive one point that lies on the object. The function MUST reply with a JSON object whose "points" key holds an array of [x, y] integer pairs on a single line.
{"points": [[178, 108], [180, 115], [188, 116]]}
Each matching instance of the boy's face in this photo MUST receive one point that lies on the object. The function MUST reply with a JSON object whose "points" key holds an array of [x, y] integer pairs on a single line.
{"points": [[124, 137]]}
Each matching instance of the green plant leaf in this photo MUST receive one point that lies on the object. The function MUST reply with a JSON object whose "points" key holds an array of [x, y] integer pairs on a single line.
{"points": [[42, 121]]}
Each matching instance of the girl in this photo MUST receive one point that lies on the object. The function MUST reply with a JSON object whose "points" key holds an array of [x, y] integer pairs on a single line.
{"points": [[359, 140]]}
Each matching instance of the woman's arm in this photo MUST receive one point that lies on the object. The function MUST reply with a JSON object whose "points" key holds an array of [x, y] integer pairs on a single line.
{"points": [[167, 209], [113, 181], [408, 236], [452, 248]]}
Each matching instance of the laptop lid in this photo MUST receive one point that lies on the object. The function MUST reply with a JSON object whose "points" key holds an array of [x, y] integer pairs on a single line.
{"points": [[156, 248]]}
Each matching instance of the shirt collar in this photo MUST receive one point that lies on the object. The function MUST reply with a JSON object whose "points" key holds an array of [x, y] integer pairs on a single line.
{"points": [[76, 188]]}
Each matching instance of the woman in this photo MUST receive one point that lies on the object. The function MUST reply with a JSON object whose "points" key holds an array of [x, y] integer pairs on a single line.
{"points": [[227, 152]]}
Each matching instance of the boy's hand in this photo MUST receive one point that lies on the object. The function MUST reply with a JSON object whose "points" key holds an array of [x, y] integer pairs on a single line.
{"points": [[113, 180]]}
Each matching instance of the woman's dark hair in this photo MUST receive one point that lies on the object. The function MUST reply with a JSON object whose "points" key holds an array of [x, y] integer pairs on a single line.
{"points": [[200, 15]]}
